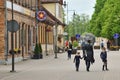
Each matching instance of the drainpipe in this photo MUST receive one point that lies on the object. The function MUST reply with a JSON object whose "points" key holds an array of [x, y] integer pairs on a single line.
{"points": [[6, 32]]}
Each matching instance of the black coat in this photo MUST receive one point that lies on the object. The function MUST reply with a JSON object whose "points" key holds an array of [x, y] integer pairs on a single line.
{"points": [[89, 55]]}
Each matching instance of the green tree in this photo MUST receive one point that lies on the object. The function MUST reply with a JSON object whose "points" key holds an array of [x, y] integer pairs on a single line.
{"points": [[105, 21], [95, 23], [78, 25]]}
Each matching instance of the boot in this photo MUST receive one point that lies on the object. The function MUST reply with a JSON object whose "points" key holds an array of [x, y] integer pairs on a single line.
{"points": [[77, 69], [87, 69], [103, 68], [106, 68]]}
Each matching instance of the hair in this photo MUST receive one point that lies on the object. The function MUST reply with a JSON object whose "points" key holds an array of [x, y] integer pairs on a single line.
{"points": [[78, 52], [89, 41], [103, 48]]}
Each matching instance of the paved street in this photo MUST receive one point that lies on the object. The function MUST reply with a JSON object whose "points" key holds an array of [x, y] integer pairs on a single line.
{"points": [[49, 68]]}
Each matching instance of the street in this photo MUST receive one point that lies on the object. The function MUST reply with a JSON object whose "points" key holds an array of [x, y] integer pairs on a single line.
{"points": [[61, 68]]}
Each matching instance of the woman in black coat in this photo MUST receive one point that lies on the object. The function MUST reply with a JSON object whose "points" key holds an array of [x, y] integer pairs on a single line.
{"points": [[89, 55]]}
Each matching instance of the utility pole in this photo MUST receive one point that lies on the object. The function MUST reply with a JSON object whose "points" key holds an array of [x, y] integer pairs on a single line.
{"points": [[12, 41]]}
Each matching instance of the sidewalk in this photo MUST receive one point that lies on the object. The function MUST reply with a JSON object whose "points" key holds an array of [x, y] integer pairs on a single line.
{"points": [[50, 68]]}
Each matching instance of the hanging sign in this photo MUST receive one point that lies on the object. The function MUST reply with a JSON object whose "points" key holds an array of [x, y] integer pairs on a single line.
{"points": [[41, 15]]}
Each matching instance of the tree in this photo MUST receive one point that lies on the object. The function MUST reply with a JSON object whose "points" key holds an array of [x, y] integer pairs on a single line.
{"points": [[106, 18], [78, 25], [95, 23], [37, 51]]}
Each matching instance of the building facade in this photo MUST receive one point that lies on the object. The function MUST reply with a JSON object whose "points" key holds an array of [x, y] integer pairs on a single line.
{"points": [[29, 31], [56, 8]]}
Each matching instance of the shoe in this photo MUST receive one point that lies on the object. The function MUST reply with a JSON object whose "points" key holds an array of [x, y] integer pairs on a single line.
{"points": [[87, 70], [107, 69], [77, 70]]}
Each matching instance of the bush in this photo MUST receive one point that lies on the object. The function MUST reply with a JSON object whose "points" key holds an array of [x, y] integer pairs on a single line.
{"points": [[37, 49], [37, 52], [75, 44], [40, 47], [112, 48], [96, 47]]}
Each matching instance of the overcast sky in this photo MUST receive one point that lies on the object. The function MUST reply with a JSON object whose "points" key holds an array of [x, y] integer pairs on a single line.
{"points": [[80, 7]]}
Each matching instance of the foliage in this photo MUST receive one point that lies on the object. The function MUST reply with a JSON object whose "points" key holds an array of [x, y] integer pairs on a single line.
{"points": [[78, 25], [114, 47], [105, 21], [38, 49], [95, 22], [96, 47], [75, 43]]}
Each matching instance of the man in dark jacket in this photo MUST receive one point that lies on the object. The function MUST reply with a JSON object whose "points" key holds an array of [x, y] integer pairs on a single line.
{"points": [[89, 55]]}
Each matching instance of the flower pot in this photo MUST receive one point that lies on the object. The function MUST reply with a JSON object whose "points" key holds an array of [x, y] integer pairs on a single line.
{"points": [[37, 56]]}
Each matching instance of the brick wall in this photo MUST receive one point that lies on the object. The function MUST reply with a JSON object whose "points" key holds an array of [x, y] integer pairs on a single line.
{"points": [[2, 28]]}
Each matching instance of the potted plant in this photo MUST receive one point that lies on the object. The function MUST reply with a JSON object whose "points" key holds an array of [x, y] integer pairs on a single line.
{"points": [[37, 51], [40, 47]]}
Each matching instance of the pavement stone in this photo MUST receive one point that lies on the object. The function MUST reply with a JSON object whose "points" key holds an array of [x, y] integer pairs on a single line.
{"points": [[61, 68]]}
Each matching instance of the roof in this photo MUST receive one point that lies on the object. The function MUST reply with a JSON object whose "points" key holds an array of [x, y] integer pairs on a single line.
{"points": [[52, 1]]}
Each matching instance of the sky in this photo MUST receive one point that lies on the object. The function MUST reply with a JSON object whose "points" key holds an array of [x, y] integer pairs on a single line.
{"points": [[80, 7]]}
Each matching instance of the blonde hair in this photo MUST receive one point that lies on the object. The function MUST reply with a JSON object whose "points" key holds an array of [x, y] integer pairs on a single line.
{"points": [[103, 48]]}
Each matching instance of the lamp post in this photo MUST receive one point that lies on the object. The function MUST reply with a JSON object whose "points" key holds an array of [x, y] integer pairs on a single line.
{"points": [[67, 20], [74, 24], [12, 42], [66, 6]]}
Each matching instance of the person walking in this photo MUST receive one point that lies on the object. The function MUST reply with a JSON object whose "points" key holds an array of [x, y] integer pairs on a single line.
{"points": [[69, 53], [108, 45], [77, 60], [103, 57], [89, 55], [102, 44]]}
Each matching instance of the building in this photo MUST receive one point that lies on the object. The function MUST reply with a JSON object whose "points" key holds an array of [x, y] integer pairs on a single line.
{"points": [[56, 8], [29, 30]]}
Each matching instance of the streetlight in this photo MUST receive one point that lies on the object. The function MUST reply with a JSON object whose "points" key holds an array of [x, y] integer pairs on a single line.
{"points": [[74, 24], [12, 45], [66, 6]]}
